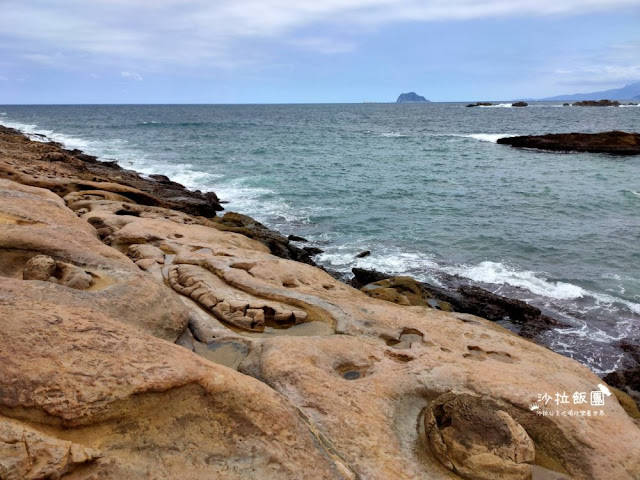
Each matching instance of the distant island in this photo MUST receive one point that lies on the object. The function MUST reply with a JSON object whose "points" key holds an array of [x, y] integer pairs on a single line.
{"points": [[628, 92], [411, 97]]}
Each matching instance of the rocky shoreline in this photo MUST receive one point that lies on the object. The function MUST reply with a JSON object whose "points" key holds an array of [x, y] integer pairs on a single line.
{"points": [[144, 336]]}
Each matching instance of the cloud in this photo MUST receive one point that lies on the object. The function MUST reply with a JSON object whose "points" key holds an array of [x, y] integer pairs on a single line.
{"points": [[145, 33], [611, 66], [131, 75]]}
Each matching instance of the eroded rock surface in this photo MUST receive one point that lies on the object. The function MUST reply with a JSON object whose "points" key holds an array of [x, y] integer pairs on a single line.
{"points": [[337, 384]]}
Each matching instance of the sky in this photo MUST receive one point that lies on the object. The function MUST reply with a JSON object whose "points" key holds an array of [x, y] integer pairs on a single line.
{"points": [[312, 51]]}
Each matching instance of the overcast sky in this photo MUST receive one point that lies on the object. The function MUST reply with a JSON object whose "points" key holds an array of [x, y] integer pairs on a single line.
{"points": [[282, 51]]}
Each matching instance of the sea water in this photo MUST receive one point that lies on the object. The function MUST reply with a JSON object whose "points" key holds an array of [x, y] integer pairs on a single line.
{"points": [[425, 187]]}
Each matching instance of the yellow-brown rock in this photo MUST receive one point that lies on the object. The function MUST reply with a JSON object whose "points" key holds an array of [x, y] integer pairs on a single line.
{"points": [[326, 382]]}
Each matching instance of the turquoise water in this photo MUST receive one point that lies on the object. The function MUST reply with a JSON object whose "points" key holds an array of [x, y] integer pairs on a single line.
{"points": [[424, 187]]}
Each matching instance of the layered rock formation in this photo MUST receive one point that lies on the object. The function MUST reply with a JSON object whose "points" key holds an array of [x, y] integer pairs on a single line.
{"points": [[614, 142], [139, 341]]}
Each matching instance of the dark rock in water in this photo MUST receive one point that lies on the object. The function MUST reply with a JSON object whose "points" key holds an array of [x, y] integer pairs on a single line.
{"points": [[411, 97], [313, 250], [10, 131], [627, 378], [566, 104], [160, 178], [277, 243], [363, 277], [480, 104], [296, 238], [474, 300], [363, 254], [597, 103], [615, 143], [520, 104]]}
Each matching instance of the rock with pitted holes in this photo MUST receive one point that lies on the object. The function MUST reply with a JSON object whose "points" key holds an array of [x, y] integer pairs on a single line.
{"points": [[478, 441]]}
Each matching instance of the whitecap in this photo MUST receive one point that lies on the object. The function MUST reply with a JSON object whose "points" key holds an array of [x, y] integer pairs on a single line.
{"points": [[393, 135], [500, 274], [499, 105], [487, 137]]}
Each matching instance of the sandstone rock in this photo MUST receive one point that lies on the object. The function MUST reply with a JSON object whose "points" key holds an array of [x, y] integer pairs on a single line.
{"points": [[153, 409], [344, 394], [144, 251], [27, 454], [73, 277], [474, 438], [39, 267]]}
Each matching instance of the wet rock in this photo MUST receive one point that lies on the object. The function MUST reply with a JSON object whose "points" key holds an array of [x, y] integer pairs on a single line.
{"points": [[296, 238], [363, 276], [627, 377], [363, 254], [614, 142], [520, 104], [404, 291], [480, 104], [477, 440]]}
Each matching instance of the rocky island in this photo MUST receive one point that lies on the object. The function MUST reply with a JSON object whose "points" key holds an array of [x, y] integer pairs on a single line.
{"points": [[145, 336], [614, 142], [411, 97]]}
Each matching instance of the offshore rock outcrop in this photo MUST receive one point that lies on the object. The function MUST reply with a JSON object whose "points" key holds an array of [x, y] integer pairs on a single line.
{"points": [[614, 142], [346, 387], [411, 97]]}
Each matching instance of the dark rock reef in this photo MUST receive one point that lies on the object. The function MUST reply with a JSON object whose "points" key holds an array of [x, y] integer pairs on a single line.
{"points": [[597, 103], [480, 104], [520, 104], [614, 143], [528, 320]]}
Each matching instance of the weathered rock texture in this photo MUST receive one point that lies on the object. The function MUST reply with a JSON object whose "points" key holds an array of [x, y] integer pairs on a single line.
{"points": [[297, 376], [615, 143]]}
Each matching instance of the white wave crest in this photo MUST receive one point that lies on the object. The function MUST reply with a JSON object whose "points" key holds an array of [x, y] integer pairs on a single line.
{"points": [[499, 105], [499, 274], [393, 135], [488, 137]]}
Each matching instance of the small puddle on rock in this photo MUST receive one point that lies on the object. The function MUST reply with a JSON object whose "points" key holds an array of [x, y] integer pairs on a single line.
{"points": [[227, 353]]}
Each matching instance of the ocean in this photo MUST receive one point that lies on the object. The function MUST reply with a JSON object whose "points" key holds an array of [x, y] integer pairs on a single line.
{"points": [[424, 187]]}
